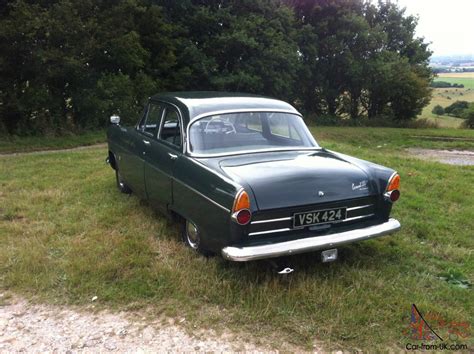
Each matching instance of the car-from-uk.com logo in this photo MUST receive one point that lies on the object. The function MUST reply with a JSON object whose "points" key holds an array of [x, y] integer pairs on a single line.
{"points": [[432, 332]]}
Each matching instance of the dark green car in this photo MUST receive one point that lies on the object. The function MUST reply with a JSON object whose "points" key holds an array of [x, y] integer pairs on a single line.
{"points": [[247, 179]]}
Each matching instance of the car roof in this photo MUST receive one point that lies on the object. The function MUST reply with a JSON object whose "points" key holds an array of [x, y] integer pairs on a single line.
{"points": [[199, 103]]}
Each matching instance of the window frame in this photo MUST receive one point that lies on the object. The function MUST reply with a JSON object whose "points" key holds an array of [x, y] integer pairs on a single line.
{"points": [[143, 116], [181, 148], [164, 104], [144, 119]]}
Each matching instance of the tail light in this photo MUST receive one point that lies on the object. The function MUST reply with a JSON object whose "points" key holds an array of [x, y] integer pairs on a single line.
{"points": [[394, 182], [241, 210], [392, 191]]}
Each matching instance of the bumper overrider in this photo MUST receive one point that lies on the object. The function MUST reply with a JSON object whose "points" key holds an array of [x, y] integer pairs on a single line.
{"points": [[250, 253]]}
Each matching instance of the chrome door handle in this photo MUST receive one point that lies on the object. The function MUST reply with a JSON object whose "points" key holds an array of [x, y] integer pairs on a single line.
{"points": [[172, 156], [147, 142]]}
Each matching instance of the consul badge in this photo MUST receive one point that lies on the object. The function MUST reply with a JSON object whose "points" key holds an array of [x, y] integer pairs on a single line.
{"points": [[361, 186]]}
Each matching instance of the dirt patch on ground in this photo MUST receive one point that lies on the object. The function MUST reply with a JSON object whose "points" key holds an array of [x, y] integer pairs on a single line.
{"points": [[451, 157], [441, 138], [25, 327]]}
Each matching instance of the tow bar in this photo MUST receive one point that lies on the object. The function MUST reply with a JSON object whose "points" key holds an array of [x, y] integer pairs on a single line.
{"points": [[279, 269], [286, 270]]}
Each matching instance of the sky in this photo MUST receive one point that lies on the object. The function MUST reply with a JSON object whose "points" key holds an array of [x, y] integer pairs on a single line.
{"points": [[449, 25]]}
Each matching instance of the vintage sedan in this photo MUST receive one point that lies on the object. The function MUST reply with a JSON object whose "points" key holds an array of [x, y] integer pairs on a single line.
{"points": [[246, 178]]}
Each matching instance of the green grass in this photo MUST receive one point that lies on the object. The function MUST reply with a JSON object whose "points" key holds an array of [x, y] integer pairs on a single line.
{"points": [[392, 140], [446, 96], [14, 144], [467, 81], [67, 235]]}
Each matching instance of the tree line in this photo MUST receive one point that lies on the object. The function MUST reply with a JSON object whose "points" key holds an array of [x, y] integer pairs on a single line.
{"points": [[459, 109], [67, 65], [444, 84]]}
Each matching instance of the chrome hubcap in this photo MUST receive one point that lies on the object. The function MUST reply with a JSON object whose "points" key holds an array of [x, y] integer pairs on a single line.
{"points": [[192, 235]]}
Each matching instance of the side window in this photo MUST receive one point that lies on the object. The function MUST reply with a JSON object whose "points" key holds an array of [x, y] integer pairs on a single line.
{"points": [[152, 120], [171, 129]]}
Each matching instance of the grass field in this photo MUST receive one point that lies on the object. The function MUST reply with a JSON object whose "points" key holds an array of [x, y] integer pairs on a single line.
{"points": [[447, 96], [467, 79], [66, 235], [10, 144], [455, 75]]}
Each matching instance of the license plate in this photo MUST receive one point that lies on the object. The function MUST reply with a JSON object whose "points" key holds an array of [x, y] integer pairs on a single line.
{"points": [[317, 217]]}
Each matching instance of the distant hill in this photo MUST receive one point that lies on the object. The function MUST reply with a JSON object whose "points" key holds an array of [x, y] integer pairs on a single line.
{"points": [[452, 63]]}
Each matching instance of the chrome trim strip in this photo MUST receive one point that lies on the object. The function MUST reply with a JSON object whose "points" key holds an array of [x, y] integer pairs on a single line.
{"points": [[269, 231], [160, 127], [202, 195], [270, 220], [313, 148], [359, 207], [249, 253], [290, 218], [358, 217], [244, 110]]}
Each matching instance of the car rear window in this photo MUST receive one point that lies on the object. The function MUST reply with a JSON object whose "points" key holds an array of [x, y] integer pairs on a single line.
{"points": [[249, 131]]}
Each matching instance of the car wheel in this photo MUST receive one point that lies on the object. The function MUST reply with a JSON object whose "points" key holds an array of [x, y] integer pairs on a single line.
{"points": [[121, 185], [192, 237]]}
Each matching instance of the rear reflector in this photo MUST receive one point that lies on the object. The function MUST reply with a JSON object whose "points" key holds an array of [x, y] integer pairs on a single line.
{"points": [[394, 195], [243, 217]]}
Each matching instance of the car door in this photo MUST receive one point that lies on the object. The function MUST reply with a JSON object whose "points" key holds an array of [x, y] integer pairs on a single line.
{"points": [[139, 139], [162, 153], [130, 158]]}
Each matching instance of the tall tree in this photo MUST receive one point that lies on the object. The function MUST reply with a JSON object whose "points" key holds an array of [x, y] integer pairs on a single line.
{"points": [[237, 45], [68, 65], [398, 74], [329, 31], [361, 59]]}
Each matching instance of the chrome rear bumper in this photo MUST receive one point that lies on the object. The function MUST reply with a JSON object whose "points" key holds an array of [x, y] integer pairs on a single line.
{"points": [[250, 253]]}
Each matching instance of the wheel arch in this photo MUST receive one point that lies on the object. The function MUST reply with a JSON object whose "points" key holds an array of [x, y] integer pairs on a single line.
{"points": [[112, 161]]}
